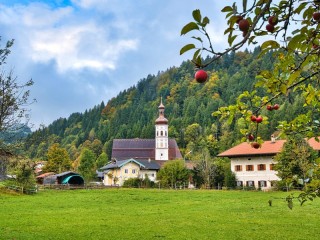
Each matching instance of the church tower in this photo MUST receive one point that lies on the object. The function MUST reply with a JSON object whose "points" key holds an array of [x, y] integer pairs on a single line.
{"points": [[162, 142]]}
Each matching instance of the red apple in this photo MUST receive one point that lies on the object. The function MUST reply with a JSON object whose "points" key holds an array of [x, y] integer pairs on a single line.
{"points": [[270, 28], [255, 145], [276, 106], [250, 137], [201, 76], [259, 119], [316, 16], [244, 25], [273, 20], [253, 118], [315, 46], [269, 107]]}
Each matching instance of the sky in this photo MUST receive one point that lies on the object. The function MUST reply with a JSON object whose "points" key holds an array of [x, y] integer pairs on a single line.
{"points": [[82, 52]]}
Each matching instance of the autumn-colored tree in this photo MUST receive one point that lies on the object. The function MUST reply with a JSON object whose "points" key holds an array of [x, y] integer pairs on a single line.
{"points": [[58, 159]]}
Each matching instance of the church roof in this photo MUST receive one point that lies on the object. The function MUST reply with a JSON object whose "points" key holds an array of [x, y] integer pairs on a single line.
{"points": [[161, 120], [141, 149]]}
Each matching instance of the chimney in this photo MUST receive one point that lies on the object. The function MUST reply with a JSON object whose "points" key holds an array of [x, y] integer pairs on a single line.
{"points": [[273, 139]]}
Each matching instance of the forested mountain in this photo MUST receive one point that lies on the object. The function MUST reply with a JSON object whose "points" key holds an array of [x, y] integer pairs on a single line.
{"points": [[189, 107]]}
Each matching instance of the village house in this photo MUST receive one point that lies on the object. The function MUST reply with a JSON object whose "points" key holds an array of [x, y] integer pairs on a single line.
{"points": [[255, 167], [116, 172], [133, 158]]}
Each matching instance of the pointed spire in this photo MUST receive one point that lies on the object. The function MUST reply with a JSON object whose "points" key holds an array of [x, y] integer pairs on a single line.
{"points": [[161, 119], [161, 104]]}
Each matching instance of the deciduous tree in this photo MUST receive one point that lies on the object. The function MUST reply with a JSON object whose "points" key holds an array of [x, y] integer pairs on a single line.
{"points": [[294, 164], [14, 96], [87, 164], [173, 173], [295, 43], [291, 31], [58, 159]]}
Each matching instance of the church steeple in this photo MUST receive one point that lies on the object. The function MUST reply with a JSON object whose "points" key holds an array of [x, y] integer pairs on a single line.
{"points": [[162, 148], [161, 119]]}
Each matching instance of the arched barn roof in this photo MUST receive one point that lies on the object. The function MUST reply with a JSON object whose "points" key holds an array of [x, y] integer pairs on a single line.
{"points": [[74, 179]]}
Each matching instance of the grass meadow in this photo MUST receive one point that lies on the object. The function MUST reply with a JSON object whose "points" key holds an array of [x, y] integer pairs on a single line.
{"points": [[155, 214]]}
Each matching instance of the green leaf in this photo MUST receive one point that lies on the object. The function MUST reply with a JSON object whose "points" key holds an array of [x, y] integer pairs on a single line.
{"points": [[187, 48], [197, 61], [227, 9], [228, 30], [231, 39], [302, 202], [205, 21], [196, 54], [293, 43], [197, 38], [257, 11], [270, 44], [189, 27], [300, 8], [196, 15]]}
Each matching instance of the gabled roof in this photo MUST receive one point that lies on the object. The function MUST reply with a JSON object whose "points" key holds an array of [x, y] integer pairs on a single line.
{"points": [[141, 149], [66, 173], [269, 148], [45, 175], [143, 164], [245, 149]]}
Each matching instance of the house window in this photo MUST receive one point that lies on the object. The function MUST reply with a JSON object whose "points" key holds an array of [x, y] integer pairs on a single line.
{"points": [[261, 167], [262, 183], [152, 174], [250, 183], [126, 171], [238, 168], [133, 171], [271, 166], [239, 183], [249, 168], [161, 133]]}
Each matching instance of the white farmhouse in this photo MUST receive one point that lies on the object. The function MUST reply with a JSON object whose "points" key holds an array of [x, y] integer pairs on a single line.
{"points": [[254, 167]]}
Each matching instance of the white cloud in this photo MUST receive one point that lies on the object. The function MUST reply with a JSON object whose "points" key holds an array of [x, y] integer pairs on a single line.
{"points": [[61, 36], [70, 49]]}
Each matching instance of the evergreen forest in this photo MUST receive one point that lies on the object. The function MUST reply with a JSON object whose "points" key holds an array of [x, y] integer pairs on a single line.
{"points": [[189, 109]]}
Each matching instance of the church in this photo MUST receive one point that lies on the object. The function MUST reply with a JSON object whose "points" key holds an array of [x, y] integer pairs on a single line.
{"points": [[132, 158]]}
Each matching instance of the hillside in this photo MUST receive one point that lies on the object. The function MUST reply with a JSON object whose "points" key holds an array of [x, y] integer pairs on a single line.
{"points": [[189, 108]]}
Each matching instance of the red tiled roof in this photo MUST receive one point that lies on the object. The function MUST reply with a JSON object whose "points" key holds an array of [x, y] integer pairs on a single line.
{"points": [[314, 144], [267, 148], [45, 175], [245, 149]]}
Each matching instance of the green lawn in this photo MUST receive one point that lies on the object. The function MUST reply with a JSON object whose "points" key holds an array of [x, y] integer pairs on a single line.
{"points": [[155, 214]]}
